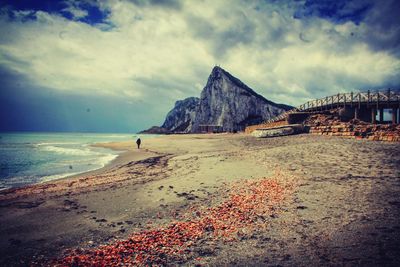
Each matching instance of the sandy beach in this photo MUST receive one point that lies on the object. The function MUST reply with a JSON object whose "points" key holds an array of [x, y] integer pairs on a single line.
{"points": [[343, 209]]}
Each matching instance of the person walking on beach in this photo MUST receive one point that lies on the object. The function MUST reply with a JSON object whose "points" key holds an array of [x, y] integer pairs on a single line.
{"points": [[138, 142]]}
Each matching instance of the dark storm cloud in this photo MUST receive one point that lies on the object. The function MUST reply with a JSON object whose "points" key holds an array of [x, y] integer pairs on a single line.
{"points": [[383, 27], [343, 82], [239, 31], [13, 60], [242, 34], [165, 85], [337, 11], [380, 19], [338, 80], [201, 27], [25, 107]]}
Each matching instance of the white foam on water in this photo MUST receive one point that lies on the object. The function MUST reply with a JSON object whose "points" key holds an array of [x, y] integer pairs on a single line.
{"points": [[107, 159], [56, 143], [99, 163], [2, 188], [69, 151], [56, 176], [118, 136], [38, 158], [15, 181]]}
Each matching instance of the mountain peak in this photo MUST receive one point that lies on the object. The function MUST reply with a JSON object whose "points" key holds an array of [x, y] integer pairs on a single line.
{"points": [[218, 73], [217, 69]]}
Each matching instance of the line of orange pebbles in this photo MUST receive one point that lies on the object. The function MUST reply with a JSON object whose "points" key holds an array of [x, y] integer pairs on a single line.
{"points": [[247, 202]]}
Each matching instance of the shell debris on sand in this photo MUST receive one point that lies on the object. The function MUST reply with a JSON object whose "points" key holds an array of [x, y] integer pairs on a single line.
{"points": [[242, 210]]}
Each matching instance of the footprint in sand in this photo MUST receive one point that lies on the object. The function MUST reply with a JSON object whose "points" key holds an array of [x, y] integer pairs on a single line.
{"points": [[26, 204]]}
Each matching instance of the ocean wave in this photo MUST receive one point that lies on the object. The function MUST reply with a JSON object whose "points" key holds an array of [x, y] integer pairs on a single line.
{"points": [[17, 181], [70, 151], [56, 143], [99, 163], [115, 136], [4, 188], [57, 176], [34, 158], [107, 159], [26, 179]]}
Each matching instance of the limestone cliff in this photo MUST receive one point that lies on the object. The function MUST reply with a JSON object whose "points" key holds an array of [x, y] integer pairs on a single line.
{"points": [[225, 102], [181, 117], [228, 102]]}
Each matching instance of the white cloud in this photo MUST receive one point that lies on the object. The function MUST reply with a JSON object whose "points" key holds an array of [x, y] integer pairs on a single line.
{"points": [[74, 9], [154, 51], [77, 13]]}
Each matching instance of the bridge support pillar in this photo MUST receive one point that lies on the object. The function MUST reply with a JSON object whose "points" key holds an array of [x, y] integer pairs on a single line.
{"points": [[356, 111], [381, 115], [346, 113], [394, 115], [373, 115], [363, 114]]}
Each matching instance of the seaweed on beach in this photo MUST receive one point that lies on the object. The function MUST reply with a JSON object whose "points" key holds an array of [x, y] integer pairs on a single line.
{"points": [[150, 162], [243, 209]]}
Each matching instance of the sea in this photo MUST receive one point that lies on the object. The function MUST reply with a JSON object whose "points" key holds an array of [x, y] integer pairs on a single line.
{"points": [[31, 158]]}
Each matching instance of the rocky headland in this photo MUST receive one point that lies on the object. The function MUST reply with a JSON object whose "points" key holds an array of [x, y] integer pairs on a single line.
{"points": [[225, 102]]}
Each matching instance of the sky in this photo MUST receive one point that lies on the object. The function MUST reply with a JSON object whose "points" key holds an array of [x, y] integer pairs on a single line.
{"points": [[119, 66]]}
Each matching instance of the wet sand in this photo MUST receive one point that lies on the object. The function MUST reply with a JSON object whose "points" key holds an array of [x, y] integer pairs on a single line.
{"points": [[344, 211]]}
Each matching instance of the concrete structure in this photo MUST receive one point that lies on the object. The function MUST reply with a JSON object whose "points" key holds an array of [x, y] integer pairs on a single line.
{"points": [[211, 128], [279, 131]]}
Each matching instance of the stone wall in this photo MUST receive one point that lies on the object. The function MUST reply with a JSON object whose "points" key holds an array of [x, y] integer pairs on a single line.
{"points": [[331, 123], [371, 132], [332, 126]]}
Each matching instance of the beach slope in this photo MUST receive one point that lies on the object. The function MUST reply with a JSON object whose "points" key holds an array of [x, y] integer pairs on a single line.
{"points": [[343, 207]]}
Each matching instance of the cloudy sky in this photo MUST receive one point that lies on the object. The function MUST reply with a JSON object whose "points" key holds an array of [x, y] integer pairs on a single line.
{"points": [[119, 66]]}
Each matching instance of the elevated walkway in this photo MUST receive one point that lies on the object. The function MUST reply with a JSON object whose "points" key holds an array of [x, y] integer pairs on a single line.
{"points": [[362, 106]]}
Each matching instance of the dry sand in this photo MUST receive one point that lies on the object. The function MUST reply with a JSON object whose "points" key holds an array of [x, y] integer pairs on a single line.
{"points": [[345, 210]]}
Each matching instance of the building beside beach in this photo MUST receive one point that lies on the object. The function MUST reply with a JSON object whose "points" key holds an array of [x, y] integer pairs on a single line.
{"points": [[210, 128]]}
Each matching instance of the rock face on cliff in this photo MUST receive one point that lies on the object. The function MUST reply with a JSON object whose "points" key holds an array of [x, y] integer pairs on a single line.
{"points": [[181, 117], [226, 101], [226, 104]]}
